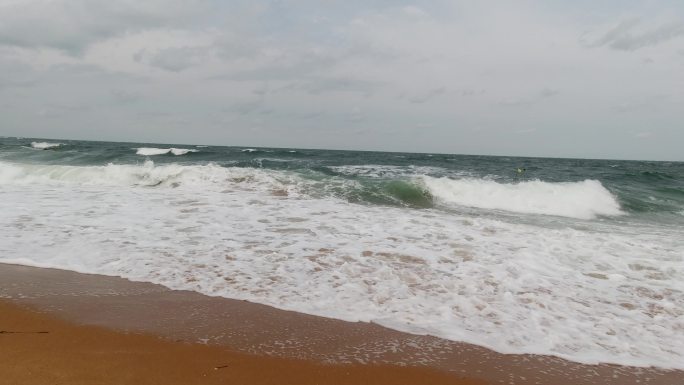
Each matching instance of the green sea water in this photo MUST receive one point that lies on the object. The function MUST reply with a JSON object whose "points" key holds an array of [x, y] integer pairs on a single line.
{"points": [[647, 190]]}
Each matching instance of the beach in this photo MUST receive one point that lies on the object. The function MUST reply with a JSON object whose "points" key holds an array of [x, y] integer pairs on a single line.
{"points": [[108, 330], [341, 192], [37, 349], [448, 265]]}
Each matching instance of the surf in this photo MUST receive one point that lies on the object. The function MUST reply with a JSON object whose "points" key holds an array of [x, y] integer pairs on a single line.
{"points": [[44, 145], [152, 151], [454, 246], [253, 234], [586, 199]]}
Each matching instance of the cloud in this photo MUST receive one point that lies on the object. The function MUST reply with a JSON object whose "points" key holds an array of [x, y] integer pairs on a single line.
{"points": [[356, 115], [470, 92], [252, 107], [641, 104], [545, 93], [626, 36], [548, 93], [527, 130], [301, 70], [14, 74], [643, 135], [124, 97], [275, 63], [174, 59], [427, 96], [73, 25], [322, 85]]}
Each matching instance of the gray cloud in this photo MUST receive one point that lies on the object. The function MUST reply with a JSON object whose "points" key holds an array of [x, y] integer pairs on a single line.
{"points": [[545, 93], [14, 74], [356, 115], [626, 37], [548, 92], [284, 66], [469, 92], [174, 59], [308, 73], [252, 107], [427, 96], [322, 85], [641, 104], [72, 25], [124, 97]]}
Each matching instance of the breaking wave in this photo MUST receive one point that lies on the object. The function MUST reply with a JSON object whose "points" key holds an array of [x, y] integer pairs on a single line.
{"points": [[587, 199], [583, 200], [44, 145], [147, 174], [151, 151]]}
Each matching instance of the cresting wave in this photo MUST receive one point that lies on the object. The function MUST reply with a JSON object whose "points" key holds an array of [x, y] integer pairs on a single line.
{"points": [[582, 200], [151, 151], [44, 145], [145, 175]]}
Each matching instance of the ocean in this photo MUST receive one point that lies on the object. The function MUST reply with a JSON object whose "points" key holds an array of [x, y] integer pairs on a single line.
{"points": [[576, 258]]}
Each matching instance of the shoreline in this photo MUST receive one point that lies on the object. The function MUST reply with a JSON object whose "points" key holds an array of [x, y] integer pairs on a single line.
{"points": [[39, 349], [268, 333]]}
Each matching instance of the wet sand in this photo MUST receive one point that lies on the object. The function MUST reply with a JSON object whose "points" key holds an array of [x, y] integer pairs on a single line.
{"points": [[39, 349], [320, 350]]}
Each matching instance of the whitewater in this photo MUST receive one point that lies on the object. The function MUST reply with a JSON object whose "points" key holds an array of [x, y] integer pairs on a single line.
{"points": [[576, 259]]}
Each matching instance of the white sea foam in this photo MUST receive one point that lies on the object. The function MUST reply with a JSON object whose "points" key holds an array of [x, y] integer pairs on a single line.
{"points": [[182, 151], [151, 151], [606, 292], [44, 145], [583, 200], [147, 174]]}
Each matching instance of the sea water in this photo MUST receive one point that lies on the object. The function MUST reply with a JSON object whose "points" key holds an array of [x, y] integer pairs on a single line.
{"points": [[581, 259]]}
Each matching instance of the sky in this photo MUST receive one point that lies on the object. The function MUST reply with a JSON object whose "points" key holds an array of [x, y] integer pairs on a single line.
{"points": [[587, 79]]}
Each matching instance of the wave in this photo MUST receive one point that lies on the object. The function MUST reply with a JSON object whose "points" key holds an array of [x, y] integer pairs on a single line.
{"points": [[655, 175], [151, 151], [583, 200], [44, 145], [211, 176], [145, 175], [398, 193], [391, 171]]}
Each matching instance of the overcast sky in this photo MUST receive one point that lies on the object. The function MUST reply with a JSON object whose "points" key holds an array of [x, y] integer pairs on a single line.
{"points": [[542, 78]]}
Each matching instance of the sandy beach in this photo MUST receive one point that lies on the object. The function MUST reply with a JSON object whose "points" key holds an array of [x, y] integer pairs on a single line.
{"points": [[39, 349], [108, 330], [341, 192]]}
